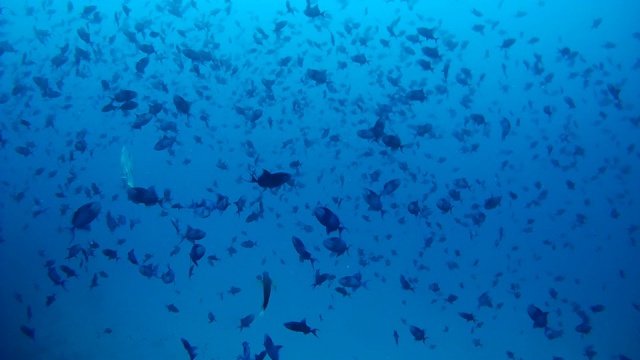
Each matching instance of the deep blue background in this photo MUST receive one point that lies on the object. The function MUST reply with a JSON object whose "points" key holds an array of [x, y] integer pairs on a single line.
{"points": [[591, 263]]}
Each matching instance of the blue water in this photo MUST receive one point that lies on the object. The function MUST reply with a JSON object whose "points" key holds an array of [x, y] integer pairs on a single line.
{"points": [[563, 238]]}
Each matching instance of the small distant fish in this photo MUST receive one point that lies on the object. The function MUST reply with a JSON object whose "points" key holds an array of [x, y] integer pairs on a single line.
{"points": [[246, 321], [211, 317], [191, 350], [538, 316], [418, 333], [28, 331]]}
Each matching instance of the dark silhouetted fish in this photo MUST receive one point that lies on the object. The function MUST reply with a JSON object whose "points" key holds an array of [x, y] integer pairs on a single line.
{"points": [[271, 180], [300, 326], [392, 142], [320, 278], [84, 215], [56, 278], [192, 234], [191, 350], [124, 96], [169, 276], [266, 290], [406, 285], [270, 347], [28, 332], [390, 186], [353, 281], [246, 321], [492, 202], [139, 195], [538, 316], [328, 219], [336, 245], [182, 105], [197, 252], [444, 205], [417, 333], [302, 251]]}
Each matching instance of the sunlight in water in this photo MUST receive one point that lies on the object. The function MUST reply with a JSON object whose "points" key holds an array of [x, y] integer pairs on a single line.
{"points": [[126, 164]]}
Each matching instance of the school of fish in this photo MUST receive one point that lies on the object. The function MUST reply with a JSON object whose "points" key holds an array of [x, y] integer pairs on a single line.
{"points": [[301, 179]]}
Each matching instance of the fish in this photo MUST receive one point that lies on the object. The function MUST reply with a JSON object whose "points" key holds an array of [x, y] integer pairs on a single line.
{"points": [[337, 246], [131, 256], [469, 317], [55, 278], [538, 316], [124, 95], [353, 281], [266, 290], [193, 234], [191, 350], [301, 326], [246, 321], [168, 276], [271, 348], [196, 253], [485, 300], [320, 278], [390, 187], [139, 195], [405, 284], [269, 180], [28, 332], [303, 254], [182, 105], [418, 333], [211, 317], [328, 219], [84, 216]]}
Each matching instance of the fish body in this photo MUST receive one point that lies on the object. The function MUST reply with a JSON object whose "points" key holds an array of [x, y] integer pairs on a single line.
{"points": [[300, 326], [192, 234], [302, 251], [85, 214], [269, 180], [417, 333], [266, 290], [271, 348], [336, 245], [328, 219], [139, 195], [191, 350], [538, 316], [197, 252]]}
